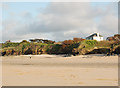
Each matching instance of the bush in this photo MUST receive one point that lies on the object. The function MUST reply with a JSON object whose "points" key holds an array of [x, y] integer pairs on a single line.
{"points": [[67, 42], [54, 49], [104, 43], [91, 42], [9, 44], [24, 41], [78, 39]]}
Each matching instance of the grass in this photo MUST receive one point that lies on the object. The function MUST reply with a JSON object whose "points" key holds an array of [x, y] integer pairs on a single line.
{"points": [[87, 44]]}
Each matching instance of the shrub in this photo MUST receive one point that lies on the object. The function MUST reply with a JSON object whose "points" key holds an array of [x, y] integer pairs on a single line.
{"points": [[78, 39], [24, 41], [66, 42], [104, 43], [9, 44], [54, 49], [91, 42]]}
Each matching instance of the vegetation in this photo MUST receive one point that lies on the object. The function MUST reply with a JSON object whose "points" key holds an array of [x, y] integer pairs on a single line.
{"points": [[9, 44], [76, 46]]}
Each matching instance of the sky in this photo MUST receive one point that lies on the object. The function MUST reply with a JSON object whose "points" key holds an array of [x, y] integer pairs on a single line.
{"points": [[58, 20]]}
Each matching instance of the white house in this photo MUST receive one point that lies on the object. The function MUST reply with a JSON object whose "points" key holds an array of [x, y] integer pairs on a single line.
{"points": [[95, 36]]}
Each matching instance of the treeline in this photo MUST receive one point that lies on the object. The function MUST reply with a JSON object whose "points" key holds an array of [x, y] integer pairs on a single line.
{"points": [[77, 46]]}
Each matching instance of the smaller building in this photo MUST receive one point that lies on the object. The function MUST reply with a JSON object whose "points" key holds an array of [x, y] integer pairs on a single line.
{"points": [[95, 36]]}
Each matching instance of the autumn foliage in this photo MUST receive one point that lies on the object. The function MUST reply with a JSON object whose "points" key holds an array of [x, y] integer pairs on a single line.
{"points": [[78, 39]]}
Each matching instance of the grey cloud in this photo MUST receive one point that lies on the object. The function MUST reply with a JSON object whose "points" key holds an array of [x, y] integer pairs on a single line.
{"points": [[59, 21]]}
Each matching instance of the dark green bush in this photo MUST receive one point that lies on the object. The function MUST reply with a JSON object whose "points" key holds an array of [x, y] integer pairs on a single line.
{"points": [[24, 41]]}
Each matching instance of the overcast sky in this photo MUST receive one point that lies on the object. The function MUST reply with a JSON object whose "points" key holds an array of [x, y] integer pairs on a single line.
{"points": [[58, 21]]}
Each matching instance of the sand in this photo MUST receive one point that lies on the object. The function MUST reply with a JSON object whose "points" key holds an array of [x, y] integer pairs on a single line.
{"points": [[56, 70]]}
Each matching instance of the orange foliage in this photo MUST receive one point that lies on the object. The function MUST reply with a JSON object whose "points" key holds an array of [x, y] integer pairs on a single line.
{"points": [[78, 39], [67, 42]]}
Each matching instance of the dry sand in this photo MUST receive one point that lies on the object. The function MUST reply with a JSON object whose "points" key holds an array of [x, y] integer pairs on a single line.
{"points": [[56, 70]]}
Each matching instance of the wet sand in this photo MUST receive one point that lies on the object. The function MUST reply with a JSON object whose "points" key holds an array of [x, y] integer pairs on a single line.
{"points": [[56, 70]]}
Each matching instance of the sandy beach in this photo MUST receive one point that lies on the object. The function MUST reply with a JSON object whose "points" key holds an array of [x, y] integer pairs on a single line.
{"points": [[57, 70]]}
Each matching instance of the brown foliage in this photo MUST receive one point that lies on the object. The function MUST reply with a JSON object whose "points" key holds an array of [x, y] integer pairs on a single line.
{"points": [[78, 39], [116, 37], [67, 42]]}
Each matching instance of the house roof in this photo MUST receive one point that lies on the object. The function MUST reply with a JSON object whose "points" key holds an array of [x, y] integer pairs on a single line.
{"points": [[95, 34]]}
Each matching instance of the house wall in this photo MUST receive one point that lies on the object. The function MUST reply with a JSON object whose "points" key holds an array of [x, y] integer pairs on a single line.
{"points": [[98, 38]]}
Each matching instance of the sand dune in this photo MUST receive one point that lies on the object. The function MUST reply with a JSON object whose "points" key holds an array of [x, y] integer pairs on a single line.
{"points": [[57, 70]]}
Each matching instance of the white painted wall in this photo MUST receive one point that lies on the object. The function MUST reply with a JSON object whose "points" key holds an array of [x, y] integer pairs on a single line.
{"points": [[98, 38]]}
